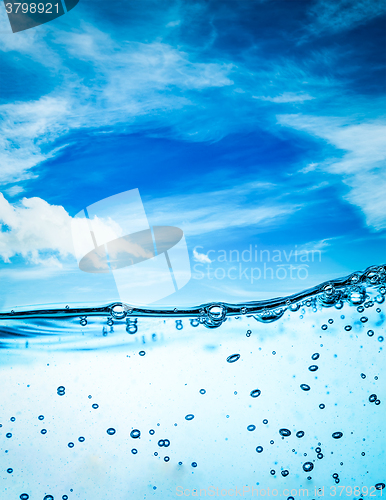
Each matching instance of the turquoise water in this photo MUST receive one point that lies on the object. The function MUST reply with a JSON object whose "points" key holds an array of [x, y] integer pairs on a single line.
{"points": [[277, 398]]}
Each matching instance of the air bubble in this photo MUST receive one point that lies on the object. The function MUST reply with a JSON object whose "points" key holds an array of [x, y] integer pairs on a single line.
{"points": [[118, 312], [166, 459], [308, 466], [324, 327], [259, 449], [142, 353], [300, 434], [364, 319], [95, 406], [83, 321], [233, 357], [190, 416], [380, 486], [284, 473], [135, 433], [151, 432], [348, 328], [255, 393], [363, 375], [134, 451], [70, 445], [313, 368], [10, 470], [24, 496], [320, 455], [380, 338], [273, 472], [81, 439], [305, 387], [337, 435], [372, 398], [251, 427], [284, 432], [41, 417], [110, 431], [322, 406], [194, 464], [43, 431], [202, 391], [265, 421], [370, 333], [315, 356]]}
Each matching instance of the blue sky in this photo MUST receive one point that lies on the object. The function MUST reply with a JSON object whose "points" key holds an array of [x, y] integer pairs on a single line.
{"points": [[242, 122]]}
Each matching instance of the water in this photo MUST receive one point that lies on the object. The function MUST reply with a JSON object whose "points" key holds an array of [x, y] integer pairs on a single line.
{"points": [[189, 401]]}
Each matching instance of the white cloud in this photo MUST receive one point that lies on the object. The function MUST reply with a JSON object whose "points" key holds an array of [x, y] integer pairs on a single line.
{"points": [[361, 166], [224, 209], [286, 97], [338, 15], [201, 257], [135, 82], [41, 233]]}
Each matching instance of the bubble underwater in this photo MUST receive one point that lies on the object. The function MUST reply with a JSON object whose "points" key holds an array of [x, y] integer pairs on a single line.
{"points": [[206, 405]]}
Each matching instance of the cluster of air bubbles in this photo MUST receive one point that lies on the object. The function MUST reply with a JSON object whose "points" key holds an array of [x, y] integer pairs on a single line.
{"points": [[374, 399], [110, 321], [83, 321], [61, 391], [284, 473], [214, 315], [179, 324], [248, 334], [131, 325], [336, 477]]}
